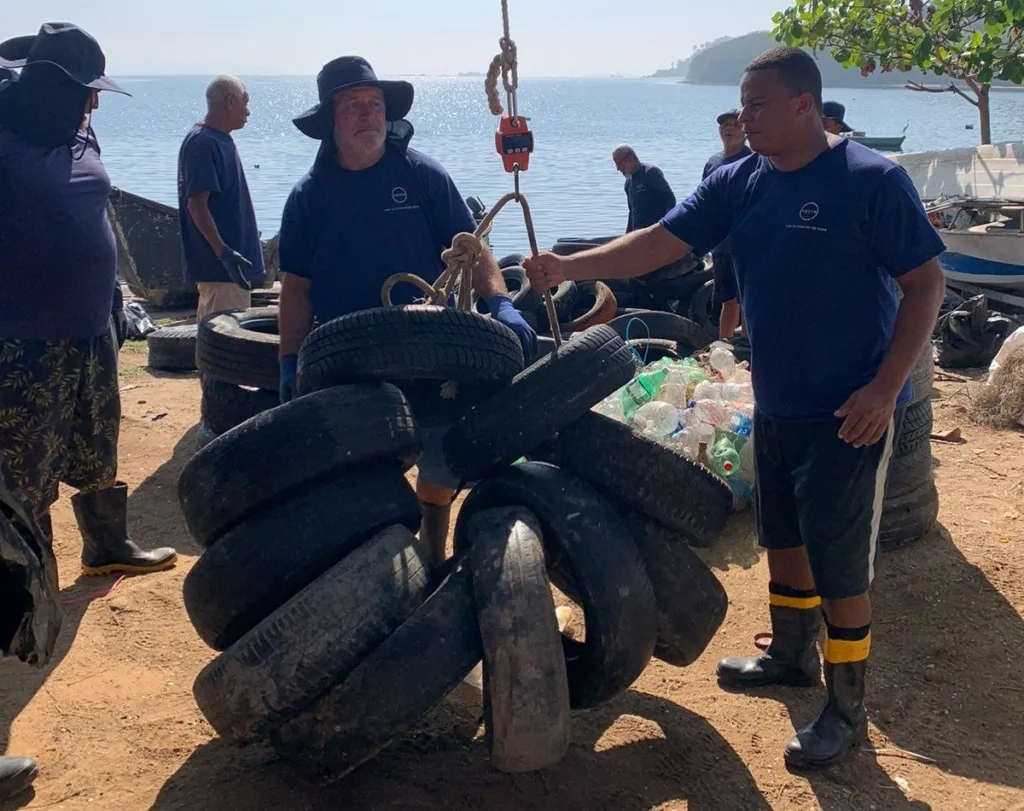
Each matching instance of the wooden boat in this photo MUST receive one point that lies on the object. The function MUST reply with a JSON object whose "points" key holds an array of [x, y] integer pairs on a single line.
{"points": [[149, 251], [984, 239]]}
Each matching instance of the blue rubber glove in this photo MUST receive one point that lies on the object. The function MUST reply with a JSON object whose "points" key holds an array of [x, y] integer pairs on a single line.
{"points": [[503, 312], [289, 368], [237, 267]]}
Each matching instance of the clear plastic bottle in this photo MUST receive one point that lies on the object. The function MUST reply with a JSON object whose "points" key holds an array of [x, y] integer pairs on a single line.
{"points": [[747, 460], [657, 419], [673, 393], [711, 412], [724, 458], [686, 442], [722, 360], [611, 407]]}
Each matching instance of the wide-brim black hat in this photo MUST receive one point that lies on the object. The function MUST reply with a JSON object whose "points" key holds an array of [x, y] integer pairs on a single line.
{"points": [[66, 46], [344, 73], [837, 112]]}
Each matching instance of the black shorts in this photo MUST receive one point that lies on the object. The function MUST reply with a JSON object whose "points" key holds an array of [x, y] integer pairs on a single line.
{"points": [[817, 491], [60, 415], [725, 281]]}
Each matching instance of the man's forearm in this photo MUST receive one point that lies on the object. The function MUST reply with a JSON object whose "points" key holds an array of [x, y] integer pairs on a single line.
{"points": [[628, 256], [487, 278], [203, 219], [915, 322], [295, 316]]}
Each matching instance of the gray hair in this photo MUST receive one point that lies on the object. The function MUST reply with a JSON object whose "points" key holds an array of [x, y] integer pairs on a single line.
{"points": [[221, 88], [624, 151]]}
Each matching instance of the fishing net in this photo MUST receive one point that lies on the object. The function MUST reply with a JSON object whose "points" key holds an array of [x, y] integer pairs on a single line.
{"points": [[1000, 403]]}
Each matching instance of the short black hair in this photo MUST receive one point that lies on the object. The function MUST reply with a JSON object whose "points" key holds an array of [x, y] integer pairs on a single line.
{"points": [[796, 68]]}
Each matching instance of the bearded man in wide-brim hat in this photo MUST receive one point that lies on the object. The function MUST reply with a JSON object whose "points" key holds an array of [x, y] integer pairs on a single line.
{"points": [[371, 207]]}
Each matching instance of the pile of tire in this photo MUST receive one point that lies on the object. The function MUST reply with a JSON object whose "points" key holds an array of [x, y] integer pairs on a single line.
{"points": [[236, 353], [911, 506], [319, 597]]}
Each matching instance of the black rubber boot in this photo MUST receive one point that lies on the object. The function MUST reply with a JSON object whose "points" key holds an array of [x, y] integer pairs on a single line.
{"points": [[434, 529], [16, 775], [791, 659], [103, 521], [841, 725]]}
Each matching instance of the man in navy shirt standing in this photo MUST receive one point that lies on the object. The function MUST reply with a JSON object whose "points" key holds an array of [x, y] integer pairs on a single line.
{"points": [[648, 195], [220, 243], [725, 301], [369, 208], [60, 409], [823, 230]]}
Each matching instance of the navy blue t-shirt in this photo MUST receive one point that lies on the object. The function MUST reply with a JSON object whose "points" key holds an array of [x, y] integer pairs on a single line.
{"points": [[816, 252], [348, 231], [649, 197], [208, 161], [58, 258], [717, 162]]}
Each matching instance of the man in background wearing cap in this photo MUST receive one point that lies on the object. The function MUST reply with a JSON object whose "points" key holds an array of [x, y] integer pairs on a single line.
{"points": [[220, 242], [371, 207], [725, 301], [648, 195]]}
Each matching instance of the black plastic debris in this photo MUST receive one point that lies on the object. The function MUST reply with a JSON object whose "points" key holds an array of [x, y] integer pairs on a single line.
{"points": [[30, 610], [970, 335]]}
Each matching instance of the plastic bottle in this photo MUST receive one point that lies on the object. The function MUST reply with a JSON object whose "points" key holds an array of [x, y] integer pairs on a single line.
{"points": [[740, 424], [673, 393], [686, 442], [747, 460], [611, 407], [642, 390], [722, 361], [711, 412], [724, 458], [657, 419]]}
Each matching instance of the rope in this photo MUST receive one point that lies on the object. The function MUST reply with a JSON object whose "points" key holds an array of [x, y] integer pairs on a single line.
{"points": [[466, 249], [505, 63]]}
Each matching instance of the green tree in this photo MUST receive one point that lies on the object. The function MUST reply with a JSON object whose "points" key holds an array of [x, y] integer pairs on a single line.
{"points": [[970, 42]]}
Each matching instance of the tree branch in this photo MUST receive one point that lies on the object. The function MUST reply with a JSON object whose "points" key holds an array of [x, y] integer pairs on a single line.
{"points": [[951, 89]]}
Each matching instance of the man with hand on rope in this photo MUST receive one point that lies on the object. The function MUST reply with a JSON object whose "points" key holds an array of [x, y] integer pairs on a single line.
{"points": [[823, 229], [370, 208]]}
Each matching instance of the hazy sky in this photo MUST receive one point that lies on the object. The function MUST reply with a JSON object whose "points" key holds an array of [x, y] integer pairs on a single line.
{"points": [[566, 38]]}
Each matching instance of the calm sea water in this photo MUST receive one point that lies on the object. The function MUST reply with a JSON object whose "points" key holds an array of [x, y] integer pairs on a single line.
{"points": [[572, 187]]}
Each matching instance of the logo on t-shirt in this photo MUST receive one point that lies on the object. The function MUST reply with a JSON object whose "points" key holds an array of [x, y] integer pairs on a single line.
{"points": [[399, 195], [809, 211]]}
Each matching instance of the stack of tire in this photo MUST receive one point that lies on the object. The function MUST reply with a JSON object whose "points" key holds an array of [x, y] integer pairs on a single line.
{"points": [[318, 595], [236, 353], [911, 505]]}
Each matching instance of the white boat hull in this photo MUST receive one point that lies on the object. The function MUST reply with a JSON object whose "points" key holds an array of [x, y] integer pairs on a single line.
{"points": [[996, 260]]}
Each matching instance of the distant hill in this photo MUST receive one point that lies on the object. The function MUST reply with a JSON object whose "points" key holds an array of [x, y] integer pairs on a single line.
{"points": [[682, 66], [723, 63]]}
